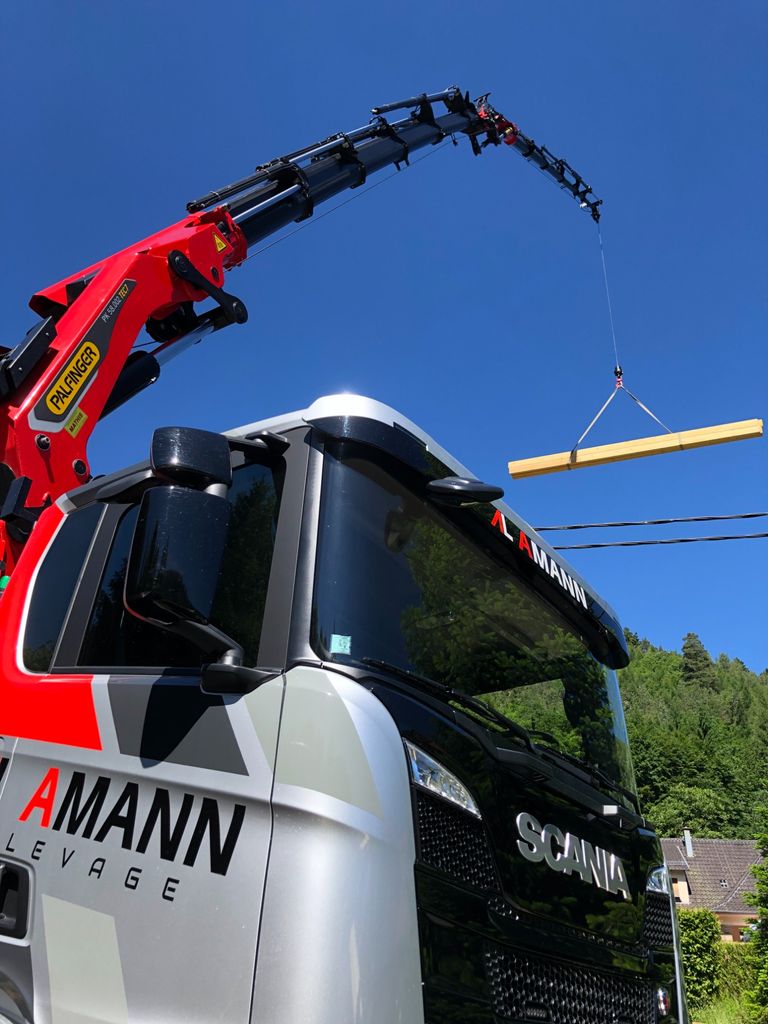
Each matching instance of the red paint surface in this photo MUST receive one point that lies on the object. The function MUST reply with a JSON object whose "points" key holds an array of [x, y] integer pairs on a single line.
{"points": [[52, 709], [43, 798]]}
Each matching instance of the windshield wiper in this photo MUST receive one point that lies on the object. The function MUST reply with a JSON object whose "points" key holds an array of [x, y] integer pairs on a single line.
{"points": [[448, 694], [492, 715], [597, 774]]}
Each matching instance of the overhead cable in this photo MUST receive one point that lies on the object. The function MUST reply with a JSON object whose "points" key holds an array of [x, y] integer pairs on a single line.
{"points": [[646, 543], [653, 522]]}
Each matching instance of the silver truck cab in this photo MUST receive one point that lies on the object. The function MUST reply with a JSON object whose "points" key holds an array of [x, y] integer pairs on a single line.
{"points": [[408, 798]]}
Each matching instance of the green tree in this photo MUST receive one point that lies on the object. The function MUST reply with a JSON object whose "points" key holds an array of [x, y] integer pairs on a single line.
{"points": [[704, 811], [698, 725], [697, 664]]}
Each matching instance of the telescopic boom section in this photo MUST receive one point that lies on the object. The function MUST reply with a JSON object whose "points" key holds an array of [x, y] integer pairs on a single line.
{"points": [[79, 363]]}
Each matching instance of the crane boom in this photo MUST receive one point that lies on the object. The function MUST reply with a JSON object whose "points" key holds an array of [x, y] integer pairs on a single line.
{"points": [[78, 363]]}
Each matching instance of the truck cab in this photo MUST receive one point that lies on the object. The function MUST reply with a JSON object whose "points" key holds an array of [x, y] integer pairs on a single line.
{"points": [[325, 736]]}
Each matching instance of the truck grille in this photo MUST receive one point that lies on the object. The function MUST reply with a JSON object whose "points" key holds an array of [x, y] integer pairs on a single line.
{"points": [[453, 841], [500, 906], [528, 988], [658, 920]]}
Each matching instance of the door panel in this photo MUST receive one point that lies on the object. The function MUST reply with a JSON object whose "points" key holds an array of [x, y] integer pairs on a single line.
{"points": [[147, 858]]}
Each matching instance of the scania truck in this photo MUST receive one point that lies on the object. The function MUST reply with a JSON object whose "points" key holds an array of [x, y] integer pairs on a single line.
{"points": [[300, 723]]}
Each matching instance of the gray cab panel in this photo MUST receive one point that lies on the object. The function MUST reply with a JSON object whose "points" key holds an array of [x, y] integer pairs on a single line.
{"points": [[339, 938]]}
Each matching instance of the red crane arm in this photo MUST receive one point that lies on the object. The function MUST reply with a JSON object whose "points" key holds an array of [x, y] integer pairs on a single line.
{"points": [[96, 315], [79, 362]]}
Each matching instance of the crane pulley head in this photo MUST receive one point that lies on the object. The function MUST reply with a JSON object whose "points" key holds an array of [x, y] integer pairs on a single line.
{"points": [[500, 128], [559, 170]]}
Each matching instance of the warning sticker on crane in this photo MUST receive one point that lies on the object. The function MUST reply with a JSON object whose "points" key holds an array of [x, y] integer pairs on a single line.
{"points": [[75, 422], [221, 245]]}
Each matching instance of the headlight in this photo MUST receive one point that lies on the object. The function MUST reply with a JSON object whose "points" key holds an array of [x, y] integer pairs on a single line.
{"points": [[432, 776], [658, 881], [663, 1002]]}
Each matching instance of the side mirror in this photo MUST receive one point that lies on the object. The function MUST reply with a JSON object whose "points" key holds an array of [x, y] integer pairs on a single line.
{"points": [[173, 574], [178, 548], [175, 558]]}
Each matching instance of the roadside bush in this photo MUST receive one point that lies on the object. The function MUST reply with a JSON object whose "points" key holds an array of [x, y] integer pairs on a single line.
{"points": [[702, 956], [758, 996], [738, 969]]}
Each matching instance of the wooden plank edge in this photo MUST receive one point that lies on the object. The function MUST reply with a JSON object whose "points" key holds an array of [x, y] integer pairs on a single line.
{"points": [[638, 448]]}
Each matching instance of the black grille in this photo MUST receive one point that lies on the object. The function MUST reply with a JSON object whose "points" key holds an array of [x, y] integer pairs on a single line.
{"points": [[658, 920], [499, 905], [455, 842], [527, 988]]}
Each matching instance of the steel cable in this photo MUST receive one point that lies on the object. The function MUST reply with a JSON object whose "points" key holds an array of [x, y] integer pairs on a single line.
{"points": [[646, 543], [653, 522]]}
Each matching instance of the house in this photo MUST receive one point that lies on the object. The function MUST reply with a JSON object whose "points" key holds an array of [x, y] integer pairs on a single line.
{"points": [[714, 874]]}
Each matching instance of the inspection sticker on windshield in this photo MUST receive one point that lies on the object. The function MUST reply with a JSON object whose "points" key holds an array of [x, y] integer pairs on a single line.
{"points": [[341, 644]]}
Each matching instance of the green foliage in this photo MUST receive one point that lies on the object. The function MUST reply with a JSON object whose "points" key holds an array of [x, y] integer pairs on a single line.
{"points": [[701, 949], [702, 809], [737, 975], [758, 946], [697, 665], [699, 736], [728, 1010], [738, 971]]}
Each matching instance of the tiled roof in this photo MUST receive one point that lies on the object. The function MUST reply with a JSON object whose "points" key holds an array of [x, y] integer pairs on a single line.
{"points": [[718, 873]]}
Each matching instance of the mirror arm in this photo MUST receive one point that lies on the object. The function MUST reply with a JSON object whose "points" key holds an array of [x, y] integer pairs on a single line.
{"points": [[220, 678], [227, 675], [210, 640]]}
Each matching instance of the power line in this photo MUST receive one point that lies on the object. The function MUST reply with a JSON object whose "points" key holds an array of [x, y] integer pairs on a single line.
{"points": [[645, 543], [653, 522]]}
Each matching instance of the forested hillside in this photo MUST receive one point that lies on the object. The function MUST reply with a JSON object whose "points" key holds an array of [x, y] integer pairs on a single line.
{"points": [[699, 735]]}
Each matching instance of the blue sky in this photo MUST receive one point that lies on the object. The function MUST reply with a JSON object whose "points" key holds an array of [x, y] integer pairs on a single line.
{"points": [[466, 292]]}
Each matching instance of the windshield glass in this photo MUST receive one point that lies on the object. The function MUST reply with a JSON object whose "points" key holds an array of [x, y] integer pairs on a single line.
{"points": [[431, 591]]}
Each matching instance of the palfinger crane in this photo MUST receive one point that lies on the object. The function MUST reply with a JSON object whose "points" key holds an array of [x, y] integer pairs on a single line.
{"points": [[78, 363]]}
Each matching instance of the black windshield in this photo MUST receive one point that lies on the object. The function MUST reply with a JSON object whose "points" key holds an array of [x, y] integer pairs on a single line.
{"points": [[403, 582]]}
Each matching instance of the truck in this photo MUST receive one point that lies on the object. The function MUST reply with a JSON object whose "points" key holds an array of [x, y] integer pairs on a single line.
{"points": [[300, 722]]}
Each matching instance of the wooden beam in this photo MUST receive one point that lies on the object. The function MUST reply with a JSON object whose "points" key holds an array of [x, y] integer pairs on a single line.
{"points": [[636, 449]]}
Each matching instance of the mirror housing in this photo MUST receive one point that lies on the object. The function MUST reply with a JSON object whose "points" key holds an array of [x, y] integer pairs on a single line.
{"points": [[175, 561], [177, 552], [172, 577], [191, 457]]}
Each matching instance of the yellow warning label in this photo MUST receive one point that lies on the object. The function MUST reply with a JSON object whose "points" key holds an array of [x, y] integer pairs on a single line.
{"points": [[73, 379], [221, 245], [74, 425]]}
